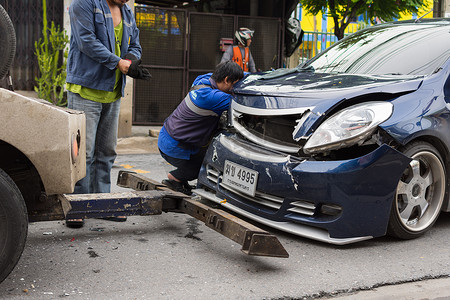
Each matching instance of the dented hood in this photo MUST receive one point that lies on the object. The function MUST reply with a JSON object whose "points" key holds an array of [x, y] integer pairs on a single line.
{"points": [[293, 88]]}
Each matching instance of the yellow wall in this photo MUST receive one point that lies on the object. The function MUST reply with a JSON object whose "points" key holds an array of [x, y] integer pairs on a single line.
{"points": [[314, 23]]}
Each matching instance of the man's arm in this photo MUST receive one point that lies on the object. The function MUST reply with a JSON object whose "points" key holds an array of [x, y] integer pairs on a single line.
{"points": [[134, 46], [130, 40], [227, 55], [251, 64]]}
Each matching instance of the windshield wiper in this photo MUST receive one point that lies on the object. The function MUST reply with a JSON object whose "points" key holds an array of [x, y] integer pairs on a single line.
{"points": [[309, 68], [282, 72]]}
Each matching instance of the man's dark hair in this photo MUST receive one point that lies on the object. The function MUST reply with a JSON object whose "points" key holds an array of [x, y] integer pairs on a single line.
{"points": [[228, 69]]}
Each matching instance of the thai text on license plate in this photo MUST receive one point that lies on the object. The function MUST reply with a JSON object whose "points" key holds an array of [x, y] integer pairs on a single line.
{"points": [[240, 178]]}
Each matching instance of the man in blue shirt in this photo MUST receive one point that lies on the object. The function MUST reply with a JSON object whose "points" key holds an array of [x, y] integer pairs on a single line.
{"points": [[186, 133]]}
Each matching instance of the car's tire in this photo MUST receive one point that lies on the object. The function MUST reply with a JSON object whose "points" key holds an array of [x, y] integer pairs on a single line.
{"points": [[7, 42], [420, 192], [13, 225]]}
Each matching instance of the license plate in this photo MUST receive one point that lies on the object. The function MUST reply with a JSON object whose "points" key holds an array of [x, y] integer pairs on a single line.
{"points": [[240, 178]]}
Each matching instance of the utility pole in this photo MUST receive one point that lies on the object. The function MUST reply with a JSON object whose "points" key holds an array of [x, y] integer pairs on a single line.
{"points": [[441, 9]]}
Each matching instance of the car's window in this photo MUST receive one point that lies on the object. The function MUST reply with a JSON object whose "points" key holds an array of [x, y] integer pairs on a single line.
{"points": [[407, 49]]}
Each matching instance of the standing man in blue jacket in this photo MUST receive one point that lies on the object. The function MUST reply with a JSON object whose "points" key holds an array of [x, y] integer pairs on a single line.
{"points": [[104, 47], [185, 135]]}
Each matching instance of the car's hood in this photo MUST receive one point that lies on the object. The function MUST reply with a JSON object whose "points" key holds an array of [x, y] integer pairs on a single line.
{"points": [[291, 89]]}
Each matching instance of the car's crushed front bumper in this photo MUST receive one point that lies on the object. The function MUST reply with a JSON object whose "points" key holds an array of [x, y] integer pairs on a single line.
{"points": [[338, 202]]}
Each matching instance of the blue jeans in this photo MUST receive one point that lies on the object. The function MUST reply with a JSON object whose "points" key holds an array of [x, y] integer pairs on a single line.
{"points": [[102, 120]]}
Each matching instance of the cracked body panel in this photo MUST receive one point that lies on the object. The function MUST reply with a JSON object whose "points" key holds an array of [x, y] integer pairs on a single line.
{"points": [[317, 183]]}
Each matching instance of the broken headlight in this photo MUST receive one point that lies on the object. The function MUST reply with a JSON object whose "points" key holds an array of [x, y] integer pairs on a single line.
{"points": [[348, 127]]}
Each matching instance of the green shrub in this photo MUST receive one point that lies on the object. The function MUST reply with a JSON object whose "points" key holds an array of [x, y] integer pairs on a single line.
{"points": [[52, 67]]}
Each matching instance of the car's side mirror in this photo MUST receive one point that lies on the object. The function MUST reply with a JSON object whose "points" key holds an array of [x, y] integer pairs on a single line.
{"points": [[293, 36]]}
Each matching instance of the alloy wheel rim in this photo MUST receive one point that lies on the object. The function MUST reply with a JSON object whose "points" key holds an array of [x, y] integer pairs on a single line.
{"points": [[420, 191]]}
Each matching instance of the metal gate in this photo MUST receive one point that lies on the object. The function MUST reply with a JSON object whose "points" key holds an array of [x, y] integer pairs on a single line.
{"points": [[179, 45], [26, 16]]}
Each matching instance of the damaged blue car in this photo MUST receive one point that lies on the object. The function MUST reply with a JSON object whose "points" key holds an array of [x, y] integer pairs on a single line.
{"points": [[351, 145]]}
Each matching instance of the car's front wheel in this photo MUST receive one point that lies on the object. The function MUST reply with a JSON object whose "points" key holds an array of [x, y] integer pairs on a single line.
{"points": [[420, 192]]}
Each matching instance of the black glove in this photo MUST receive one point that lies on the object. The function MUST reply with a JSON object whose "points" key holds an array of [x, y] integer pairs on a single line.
{"points": [[130, 56], [136, 70]]}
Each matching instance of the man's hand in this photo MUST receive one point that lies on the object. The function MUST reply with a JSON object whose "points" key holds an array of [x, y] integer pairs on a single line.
{"points": [[124, 65], [136, 70]]}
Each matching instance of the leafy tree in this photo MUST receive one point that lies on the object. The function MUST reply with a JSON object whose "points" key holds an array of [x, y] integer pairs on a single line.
{"points": [[52, 67], [345, 11]]}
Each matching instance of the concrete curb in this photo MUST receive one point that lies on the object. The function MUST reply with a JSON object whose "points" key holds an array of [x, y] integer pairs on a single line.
{"points": [[419, 290], [137, 145], [144, 140]]}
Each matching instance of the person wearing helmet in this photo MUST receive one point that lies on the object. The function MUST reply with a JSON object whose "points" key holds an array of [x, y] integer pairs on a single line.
{"points": [[240, 53]]}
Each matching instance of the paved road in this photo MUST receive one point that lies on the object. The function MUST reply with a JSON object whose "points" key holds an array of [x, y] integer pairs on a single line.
{"points": [[173, 256]]}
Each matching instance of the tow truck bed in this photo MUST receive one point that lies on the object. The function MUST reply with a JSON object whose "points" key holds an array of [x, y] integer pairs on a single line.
{"points": [[152, 198]]}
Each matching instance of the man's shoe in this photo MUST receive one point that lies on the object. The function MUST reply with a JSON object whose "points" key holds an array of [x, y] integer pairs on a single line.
{"points": [[74, 223], [189, 187], [178, 186]]}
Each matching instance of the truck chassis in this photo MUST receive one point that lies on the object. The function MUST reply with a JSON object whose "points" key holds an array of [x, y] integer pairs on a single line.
{"points": [[153, 198]]}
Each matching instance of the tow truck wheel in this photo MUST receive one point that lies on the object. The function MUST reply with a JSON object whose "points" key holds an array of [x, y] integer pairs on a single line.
{"points": [[13, 224], [7, 42], [420, 192]]}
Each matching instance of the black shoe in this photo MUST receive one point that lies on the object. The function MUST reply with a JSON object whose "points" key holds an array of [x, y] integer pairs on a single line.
{"points": [[189, 187], [74, 223], [181, 187]]}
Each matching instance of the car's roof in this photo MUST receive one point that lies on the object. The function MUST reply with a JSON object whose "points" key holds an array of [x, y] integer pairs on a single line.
{"points": [[443, 21]]}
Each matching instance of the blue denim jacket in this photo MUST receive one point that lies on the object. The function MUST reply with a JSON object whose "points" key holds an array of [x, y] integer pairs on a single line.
{"points": [[92, 62]]}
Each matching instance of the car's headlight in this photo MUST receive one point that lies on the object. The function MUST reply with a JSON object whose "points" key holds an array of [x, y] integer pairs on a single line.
{"points": [[348, 127]]}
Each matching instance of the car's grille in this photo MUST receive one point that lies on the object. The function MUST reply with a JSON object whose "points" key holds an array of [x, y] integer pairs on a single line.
{"points": [[270, 202], [275, 129], [274, 132], [212, 175], [303, 208]]}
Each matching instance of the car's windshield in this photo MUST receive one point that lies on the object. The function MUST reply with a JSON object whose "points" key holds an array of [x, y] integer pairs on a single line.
{"points": [[409, 49]]}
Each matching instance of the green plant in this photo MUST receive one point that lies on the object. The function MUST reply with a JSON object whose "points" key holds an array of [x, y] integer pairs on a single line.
{"points": [[52, 67]]}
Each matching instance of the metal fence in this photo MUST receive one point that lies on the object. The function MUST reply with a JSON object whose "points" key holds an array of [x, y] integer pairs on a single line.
{"points": [[26, 16], [315, 42], [179, 45]]}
